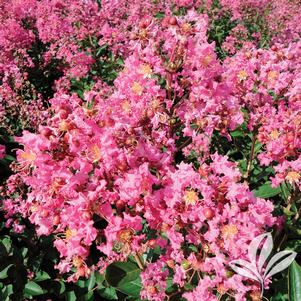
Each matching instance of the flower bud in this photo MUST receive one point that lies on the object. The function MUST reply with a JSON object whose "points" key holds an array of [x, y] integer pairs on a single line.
{"points": [[173, 21], [56, 220], [185, 264], [209, 213]]}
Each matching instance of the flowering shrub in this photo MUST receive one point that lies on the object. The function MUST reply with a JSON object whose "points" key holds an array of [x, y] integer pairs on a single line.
{"points": [[158, 139]]}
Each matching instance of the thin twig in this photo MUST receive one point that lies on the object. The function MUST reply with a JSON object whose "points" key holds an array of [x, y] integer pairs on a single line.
{"points": [[139, 261], [296, 217], [96, 287], [251, 156], [290, 201], [190, 279], [185, 143], [173, 294]]}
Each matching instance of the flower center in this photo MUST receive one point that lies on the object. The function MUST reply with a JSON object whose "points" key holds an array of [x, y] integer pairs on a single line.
{"points": [[191, 197], [137, 88]]}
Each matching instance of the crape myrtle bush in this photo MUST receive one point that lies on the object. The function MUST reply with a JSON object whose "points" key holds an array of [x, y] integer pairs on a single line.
{"points": [[144, 144]]}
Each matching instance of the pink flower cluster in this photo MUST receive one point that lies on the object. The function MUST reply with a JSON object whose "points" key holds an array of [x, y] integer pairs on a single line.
{"points": [[268, 84], [34, 35], [279, 18], [105, 170]]}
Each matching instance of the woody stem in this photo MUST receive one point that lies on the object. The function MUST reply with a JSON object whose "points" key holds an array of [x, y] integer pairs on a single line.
{"points": [[291, 200], [247, 174], [139, 261]]}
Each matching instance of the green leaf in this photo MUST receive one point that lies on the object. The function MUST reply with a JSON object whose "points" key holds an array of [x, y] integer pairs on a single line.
{"points": [[81, 283], [6, 292], [4, 272], [260, 174], [33, 289], [3, 250], [70, 296], [257, 147], [125, 277], [294, 282], [41, 276], [9, 289], [10, 158], [169, 285], [160, 15], [90, 283], [188, 286], [237, 133], [89, 296], [7, 244], [24, 252], [62, 287], [108, 293], [99, 278], [287, 212], [266, 191], [285, 192], [57, 287]]}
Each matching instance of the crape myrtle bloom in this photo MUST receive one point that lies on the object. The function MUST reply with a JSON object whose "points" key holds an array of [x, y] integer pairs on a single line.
{"points": [[111, 155]]}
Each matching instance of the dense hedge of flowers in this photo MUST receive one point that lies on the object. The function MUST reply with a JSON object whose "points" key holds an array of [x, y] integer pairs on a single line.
{"points": [[126, 161]]}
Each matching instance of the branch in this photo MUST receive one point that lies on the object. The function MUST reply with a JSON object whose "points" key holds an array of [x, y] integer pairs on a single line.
{"points": [[139, 261], [247, 174]]}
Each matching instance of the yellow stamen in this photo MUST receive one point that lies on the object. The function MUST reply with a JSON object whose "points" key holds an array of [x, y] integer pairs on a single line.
{"points": [[272, 75], [28, 156], [146, 70], [96, 154], [242, 75], [293, 176], [77, 261], [125, 236], [155, 103], [137, 88], [126, 106], [186, 27], [69, 233], [274, 134], [191, 197], [229, 231], [34, 208], [207, 60]]}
